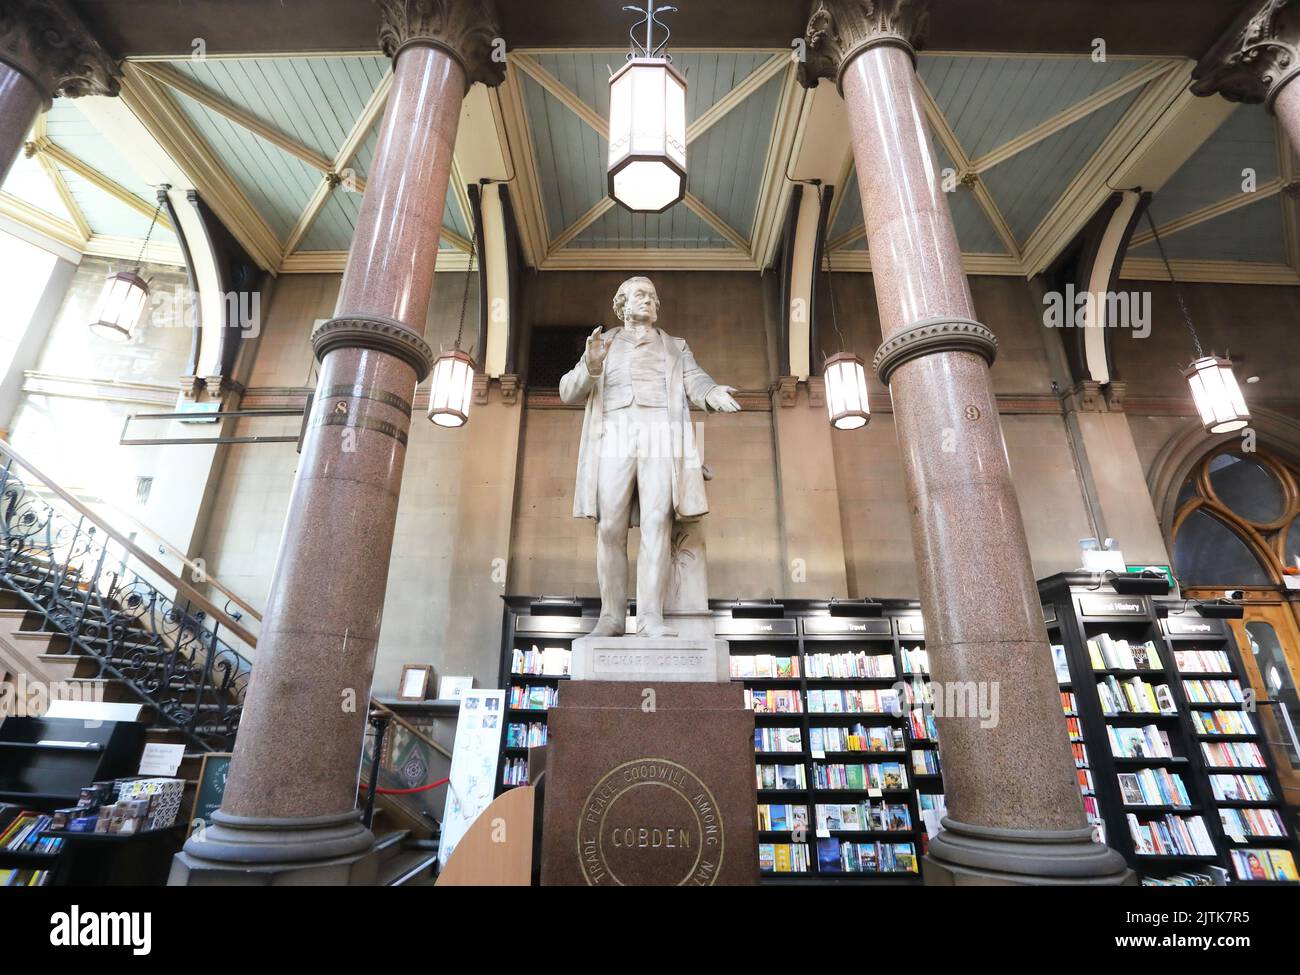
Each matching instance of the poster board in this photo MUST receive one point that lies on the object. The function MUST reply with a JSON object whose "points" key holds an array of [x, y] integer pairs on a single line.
{"points": [[212, 786], [473, 775]]}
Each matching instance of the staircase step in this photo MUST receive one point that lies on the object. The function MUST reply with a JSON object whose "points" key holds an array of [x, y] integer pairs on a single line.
{"points": [[409, 865]]}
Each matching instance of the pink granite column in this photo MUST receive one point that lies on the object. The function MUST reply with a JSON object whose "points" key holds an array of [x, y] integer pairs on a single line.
{"points": [[1256, 61], [1014, 813], [291, 794], [44, 50]]}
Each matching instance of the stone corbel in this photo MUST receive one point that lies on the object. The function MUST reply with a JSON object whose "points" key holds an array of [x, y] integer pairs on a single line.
{"points": [[1085, 397], [191, 386], [839, 30], [1115, 391], [481, 385], [1256, 58], [816, 392], [47, 41], [510, 389], [786, 389], [468, 30]]}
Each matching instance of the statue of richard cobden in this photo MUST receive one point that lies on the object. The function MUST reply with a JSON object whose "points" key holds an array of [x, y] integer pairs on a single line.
{"points": [[638, 448]]}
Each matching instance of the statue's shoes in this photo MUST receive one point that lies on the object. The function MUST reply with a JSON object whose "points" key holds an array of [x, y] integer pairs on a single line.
{"points": [[656, 629], [608, 627]]}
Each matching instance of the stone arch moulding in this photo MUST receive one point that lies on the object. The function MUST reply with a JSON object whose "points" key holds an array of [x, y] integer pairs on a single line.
{"points": [[1181, 452]]}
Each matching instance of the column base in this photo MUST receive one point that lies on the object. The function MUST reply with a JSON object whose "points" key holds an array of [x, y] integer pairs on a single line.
{"points": [[963, 855], [266, 851]]}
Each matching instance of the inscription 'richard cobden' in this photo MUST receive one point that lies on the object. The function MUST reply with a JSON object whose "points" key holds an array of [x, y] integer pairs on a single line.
{"points": [[650, 821], [633, 660]]}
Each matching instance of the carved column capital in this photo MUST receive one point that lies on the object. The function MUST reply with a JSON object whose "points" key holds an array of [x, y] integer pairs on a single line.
{"points": [[839, 30], [468, 30], [46, 40], [1256, 58]]}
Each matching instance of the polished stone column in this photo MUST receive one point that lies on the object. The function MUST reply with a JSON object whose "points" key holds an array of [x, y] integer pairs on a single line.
{"points": [[1256, 61], [45, 50], [291, 795], [1014, 812]]}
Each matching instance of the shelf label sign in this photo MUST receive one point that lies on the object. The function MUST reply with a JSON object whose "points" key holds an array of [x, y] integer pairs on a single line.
{"points": [[1111, 606]]}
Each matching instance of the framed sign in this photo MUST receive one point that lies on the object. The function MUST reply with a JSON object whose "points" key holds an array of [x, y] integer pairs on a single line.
{"points": [[212, 787], [414, 684]]}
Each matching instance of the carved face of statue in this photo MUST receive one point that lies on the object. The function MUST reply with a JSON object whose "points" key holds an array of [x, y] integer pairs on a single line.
{"points": [[637, 302]]}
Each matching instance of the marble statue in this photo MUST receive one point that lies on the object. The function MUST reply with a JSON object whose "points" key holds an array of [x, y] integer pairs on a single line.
{"points": [[638, 461]]}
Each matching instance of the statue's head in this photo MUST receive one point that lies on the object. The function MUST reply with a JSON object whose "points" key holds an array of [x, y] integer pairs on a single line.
{"points": [[637, 302]]}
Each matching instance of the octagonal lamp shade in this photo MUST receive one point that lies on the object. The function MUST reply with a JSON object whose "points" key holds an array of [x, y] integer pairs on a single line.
{"points": [[1216, 393], [451, 389], [647, 135], [120, 306], [846, 391]]}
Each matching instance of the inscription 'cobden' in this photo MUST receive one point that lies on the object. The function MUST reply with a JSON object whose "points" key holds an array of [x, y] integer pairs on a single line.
{"points": [[650, 821]]}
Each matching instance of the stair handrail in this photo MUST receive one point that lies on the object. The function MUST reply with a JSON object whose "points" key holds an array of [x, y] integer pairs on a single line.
{"points": [[165, 574]]}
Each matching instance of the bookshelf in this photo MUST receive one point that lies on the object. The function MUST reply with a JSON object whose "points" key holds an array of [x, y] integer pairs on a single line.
{"points": [[1140, 730], [788, 656]]}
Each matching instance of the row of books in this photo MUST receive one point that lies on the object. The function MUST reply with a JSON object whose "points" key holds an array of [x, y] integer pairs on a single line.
{"points": [[1171, 836], [548, 662], [778, 817], [24, 878], [850, 665], [774, 702], [925, 761], [1233, 754], [853, 701], [1145, 742], [783, 858], [915, 660], [878, 775], [1106, 653], [863, 817], [1075, 728], [1068, 704], [780, 777], [760, 665], [1080, 752], [24, 834], [533, 697], [921, 724], [1086, 786], [1241, 824], [1153, 787], [1253, 864], [1212, 691], [520, 735], [778, 740], [1185, 879], [1222, 722], [1134, 696], [859, 738], [1240, 788], [848, 856], [1202, 661], [515, 772]]}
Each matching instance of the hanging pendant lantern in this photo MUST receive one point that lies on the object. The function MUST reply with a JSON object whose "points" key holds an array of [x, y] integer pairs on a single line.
{"points": [[647, 124], [452, 385], [1214, 386], [1216, 394], [125, 294], [846, 391]]}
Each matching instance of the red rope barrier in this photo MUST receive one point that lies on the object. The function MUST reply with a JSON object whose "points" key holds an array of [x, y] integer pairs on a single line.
{"points": [[405, 792]]}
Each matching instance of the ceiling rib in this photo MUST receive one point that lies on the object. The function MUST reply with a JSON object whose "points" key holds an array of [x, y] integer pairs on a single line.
{"points": [[1217, 209]]}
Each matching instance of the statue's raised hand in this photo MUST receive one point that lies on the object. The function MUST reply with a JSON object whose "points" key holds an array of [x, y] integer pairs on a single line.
{"points": [[594, 356]]}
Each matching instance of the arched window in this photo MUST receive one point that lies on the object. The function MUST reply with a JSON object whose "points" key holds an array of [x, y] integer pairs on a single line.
{"points": [[1238, 520]]}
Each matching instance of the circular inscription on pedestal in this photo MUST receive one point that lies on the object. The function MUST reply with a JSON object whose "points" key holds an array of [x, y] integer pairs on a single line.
{"points": [[650, 822]]}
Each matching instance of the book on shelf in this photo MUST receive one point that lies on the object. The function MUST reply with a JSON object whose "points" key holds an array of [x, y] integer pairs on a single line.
{"points": [[1086, 784], [1075, 728], [853, 856], [521, 735], [863, 817], [781, 778], [1240, 788], [1213, 691], [876, 776], [774, 701], [850, 665], [532, 697], [1060, 663], [853, 701], [758, 666], [783, 857], [1134, 696], [1069, 704], [915, 660], [1246, 824], [24, 834], [778, 740], [1260, 864], [925, 761], [515, 771], [778, 817], [544, 662], [1233, 754], [1171, 835], [1202, 661], [1222, 722], [922, 725], [1153, 787], [1185, 879], [1145, 742], [1107, 653], [858, 738]]}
